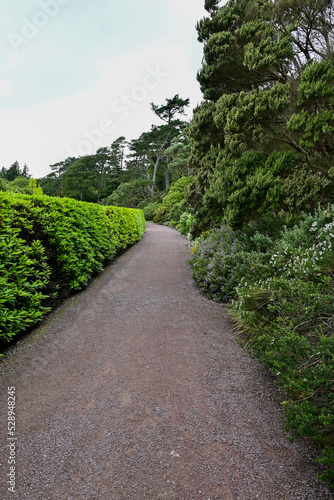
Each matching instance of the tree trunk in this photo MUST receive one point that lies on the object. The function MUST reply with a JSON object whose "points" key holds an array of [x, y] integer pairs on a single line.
{"points": [[167, 178]]}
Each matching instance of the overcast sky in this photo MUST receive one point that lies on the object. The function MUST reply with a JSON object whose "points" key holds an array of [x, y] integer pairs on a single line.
{"points": [[77, 74]]}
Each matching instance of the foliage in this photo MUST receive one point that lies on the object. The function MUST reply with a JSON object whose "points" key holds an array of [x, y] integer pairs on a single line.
{"points": [[14, 171], [150, 209], [130, 174], [177, 155], [3, 184], [287, 319], [88, 178], [79, 181], [312, 124], [128, 226], [129, 194], [33, 185], [151, 154], [20, 185], [221, 257], [47, 243], [176, 193], [263, 138], [173, 204], [289, 325], [24, 273], [282, 293], [184, 225]]}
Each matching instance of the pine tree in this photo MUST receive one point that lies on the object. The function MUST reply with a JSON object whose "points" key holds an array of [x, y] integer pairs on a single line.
{"points": [[262, 139]]}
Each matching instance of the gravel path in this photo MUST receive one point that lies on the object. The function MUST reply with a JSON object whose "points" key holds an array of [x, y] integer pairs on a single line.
{"points": [[136, 388]]}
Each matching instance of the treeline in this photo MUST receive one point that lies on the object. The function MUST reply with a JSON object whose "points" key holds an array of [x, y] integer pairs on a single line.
{"points": [[127, 173], [259, 145], [18, 180]]}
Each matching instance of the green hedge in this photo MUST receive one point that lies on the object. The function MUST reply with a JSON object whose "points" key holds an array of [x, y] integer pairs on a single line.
{"points": [[50, 245]]}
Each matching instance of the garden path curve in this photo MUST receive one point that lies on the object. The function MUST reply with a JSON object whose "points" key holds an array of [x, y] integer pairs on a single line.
{"points": [[136, 388]]}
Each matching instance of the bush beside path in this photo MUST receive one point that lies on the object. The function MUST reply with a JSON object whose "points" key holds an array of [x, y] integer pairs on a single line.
{"points": [[51, 246]]}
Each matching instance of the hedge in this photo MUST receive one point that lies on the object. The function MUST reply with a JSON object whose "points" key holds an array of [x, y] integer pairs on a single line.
{"points": [[51, 246]]}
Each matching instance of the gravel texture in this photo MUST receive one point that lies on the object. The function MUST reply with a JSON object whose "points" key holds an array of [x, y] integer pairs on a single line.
{"points": [[136, 388]]}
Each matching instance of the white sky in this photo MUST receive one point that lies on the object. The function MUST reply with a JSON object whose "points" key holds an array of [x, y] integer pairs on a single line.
{"points": [[77, 74]]}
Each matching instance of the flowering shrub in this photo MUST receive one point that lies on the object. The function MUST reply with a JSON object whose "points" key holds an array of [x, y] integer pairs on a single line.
{"points": [[287, 319], [183, 226], [282, 294], [220, 258]]}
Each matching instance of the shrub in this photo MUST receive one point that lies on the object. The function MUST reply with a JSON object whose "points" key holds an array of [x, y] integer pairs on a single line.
{"points": [[3, 184], [177, 211], [160, 214], [186, 220], [173, 204], [150, 209], [176, 192], [220, 258], [287, 319], [24, 273], [129, 194], [50, 242], [283, 305]]}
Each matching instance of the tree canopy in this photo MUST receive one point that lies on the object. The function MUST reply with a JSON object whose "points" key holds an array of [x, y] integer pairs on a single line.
{"points": [[262, 138]]}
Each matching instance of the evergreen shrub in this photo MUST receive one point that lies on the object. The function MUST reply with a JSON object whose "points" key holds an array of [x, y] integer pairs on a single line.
{"points": [[48, 245], [221, 257]]}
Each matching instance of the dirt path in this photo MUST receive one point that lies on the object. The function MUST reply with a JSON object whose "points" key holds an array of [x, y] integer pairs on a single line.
{"points": [[136, 388]]}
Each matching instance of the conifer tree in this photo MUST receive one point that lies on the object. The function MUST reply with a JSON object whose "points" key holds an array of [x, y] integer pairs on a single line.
{"points": [[262, 138]]}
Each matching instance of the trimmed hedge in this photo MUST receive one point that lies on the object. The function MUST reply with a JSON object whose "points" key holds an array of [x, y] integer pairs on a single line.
{"points": [[51, 246]]}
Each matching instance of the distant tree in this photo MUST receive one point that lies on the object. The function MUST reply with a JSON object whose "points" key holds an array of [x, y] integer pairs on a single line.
{"points": [[78, 181], [60, 168], [147, 154], [49, 185], [177, 156], [25, 171], [167, 112], [129, 194], [53, 182], [96, 177], [12, 172], [117, 153], [102, 170], [138, 162], [172, 107]]}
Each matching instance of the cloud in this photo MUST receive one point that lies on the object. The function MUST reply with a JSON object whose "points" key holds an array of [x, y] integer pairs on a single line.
{"points": [[5, 88]]}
